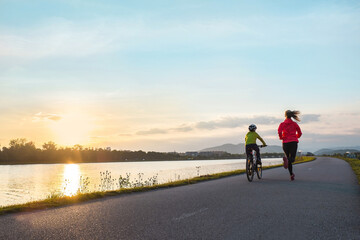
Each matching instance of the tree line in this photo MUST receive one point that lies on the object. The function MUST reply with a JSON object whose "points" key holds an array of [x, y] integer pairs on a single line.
{"points": [[21, 151]]}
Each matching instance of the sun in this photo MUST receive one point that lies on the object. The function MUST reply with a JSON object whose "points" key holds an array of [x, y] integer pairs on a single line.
{"points": [[72, 129], [71, 182]]}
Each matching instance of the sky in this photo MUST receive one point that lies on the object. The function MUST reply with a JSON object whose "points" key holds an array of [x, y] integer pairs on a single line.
{"points": [[178, 75]]}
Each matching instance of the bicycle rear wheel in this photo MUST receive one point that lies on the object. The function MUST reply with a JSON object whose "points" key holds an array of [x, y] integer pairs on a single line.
{"points": [[259, 170], [249, 168]]}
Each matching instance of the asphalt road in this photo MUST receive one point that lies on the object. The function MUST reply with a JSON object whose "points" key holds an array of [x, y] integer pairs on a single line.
{"points": [[322, 203]]}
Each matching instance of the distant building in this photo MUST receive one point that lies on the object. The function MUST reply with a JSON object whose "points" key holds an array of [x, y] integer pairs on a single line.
{"points": [[206, 154], [350, 155], [192, 154], [212, 153]]}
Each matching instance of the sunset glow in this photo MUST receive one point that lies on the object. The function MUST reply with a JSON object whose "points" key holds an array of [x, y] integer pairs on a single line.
{"points": [[182, 76], [72, 129], [71, 181]]}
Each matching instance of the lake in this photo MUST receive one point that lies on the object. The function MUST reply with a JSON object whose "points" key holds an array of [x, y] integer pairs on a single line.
{"points": [[25, 183]]}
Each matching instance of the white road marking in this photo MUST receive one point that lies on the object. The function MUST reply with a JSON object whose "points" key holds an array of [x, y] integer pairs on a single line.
{"points": [[187, 215]]}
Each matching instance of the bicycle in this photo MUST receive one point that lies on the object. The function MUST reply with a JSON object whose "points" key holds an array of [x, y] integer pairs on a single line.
{"points": [[252, 166]]}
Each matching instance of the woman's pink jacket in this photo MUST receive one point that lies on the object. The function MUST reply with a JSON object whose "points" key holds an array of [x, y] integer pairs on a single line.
{"points": [[289, 131]]}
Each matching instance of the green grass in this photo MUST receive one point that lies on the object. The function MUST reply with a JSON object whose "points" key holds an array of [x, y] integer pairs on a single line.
{"points": [[55, 200], [355, 165]]}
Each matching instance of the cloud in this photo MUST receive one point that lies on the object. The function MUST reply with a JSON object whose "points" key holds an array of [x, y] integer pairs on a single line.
{"points": [[226, 122], [234, 122], [356, 131], [229, 122], [46, 116], [62, 37], [124, 135], [183, 128], [307, 118], [58, 37], [315, 141], [153, 131]]}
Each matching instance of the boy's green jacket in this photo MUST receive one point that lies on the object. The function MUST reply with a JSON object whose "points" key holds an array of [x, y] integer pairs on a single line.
{"points": [[251, 137]]}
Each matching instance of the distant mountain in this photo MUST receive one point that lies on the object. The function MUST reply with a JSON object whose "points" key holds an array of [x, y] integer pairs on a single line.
{"points": [[240, 148], [331, 151]]}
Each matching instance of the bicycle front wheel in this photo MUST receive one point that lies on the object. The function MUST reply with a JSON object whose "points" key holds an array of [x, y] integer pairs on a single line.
{"points": [[249, 168]]}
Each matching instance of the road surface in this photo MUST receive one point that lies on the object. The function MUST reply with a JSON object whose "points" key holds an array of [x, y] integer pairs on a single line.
{"points": [[322, 203]]}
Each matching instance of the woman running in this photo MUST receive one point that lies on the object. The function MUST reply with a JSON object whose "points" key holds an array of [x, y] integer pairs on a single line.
{"points": [[289, 132]]}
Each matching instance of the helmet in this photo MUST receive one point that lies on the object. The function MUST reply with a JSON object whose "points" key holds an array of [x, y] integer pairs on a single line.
{"points": [[252, 127]]}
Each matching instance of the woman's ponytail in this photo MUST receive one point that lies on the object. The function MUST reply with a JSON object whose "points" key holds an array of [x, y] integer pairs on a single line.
{"points": [[292, 114]]}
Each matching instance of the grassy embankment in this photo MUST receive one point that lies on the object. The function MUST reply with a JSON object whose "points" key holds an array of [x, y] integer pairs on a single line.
{"points": [[58, 200], [355, 165]]}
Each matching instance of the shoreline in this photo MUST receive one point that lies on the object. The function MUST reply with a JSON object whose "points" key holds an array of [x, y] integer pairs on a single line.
{"points": [[177, 160], [57, 201]]}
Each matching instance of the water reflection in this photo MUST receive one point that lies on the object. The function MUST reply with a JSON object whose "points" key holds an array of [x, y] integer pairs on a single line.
{"points": [[71, 181], [25, 183]]}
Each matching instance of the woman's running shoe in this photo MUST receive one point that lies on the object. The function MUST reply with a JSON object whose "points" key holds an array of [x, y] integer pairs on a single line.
{"points": [[285, 162], [292, 177]]}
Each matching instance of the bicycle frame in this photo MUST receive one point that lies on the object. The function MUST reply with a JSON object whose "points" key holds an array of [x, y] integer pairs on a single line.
{"points": [[253, 166]]}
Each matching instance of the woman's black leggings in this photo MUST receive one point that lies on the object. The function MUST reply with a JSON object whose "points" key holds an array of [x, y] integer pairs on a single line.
{"points": [[290, 149]]}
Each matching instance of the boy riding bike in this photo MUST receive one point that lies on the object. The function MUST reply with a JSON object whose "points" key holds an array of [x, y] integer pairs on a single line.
{"points": [[250, 142]]}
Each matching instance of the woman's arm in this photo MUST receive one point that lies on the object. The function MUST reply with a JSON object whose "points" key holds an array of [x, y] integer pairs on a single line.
{"points": [[298, 130], [262, 140], [280, 130]]}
